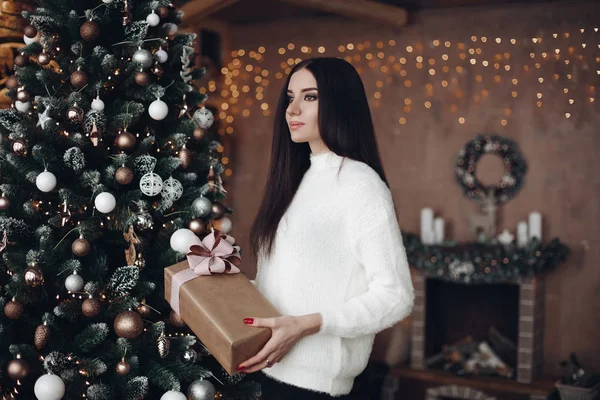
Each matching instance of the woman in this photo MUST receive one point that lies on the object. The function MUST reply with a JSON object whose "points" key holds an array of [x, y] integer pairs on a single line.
{"points": [[330, 252]]}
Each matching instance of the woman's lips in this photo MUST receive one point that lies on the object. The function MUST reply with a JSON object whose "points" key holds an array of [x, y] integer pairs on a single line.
{"points": [[296, 125]]}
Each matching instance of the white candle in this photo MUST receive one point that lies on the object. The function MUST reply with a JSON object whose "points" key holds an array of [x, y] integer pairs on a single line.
{"points": [[438, 230], [535, 225], [522, 237], [426, 225]]}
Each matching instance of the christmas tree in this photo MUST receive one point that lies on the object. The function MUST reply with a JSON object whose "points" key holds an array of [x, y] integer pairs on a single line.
{"points": [[108, 172]]}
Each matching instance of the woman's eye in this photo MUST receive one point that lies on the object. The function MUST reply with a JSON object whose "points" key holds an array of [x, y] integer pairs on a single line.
{"points": [[310, 97], [290, 99]]}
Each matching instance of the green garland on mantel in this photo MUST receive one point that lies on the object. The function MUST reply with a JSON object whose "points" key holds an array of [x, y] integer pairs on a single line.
{"points": [[477, 263]]}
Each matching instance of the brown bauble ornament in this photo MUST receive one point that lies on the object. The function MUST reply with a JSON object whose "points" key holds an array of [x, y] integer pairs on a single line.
{"points": [[75, 114], [142, 78], [23, 95], [81, 247], [30, 31], [125, 141], [89, 31], [218, 210], [163, 12], [4, 203], [19, 147], [12, 82], [79, 79], [90, 307], [33, 276], [13, 309], [44, 58], [198, 226], [176, 319], [185, 155], [17, 369], [123, 367], [21, 60], [128, 324], [199, 133], [124, 176], [144, 310], [41, 335]]}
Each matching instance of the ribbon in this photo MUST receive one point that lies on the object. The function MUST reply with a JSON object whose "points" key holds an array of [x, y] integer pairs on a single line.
{"points": [[216, 254]]}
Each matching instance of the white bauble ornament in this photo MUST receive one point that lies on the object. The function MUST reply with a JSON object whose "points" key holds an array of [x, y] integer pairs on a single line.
{"points": [[173, 395], [172, 189], [23, 106], [153, 19], [49, 387], [204, 118], [224, 225], [158, 110], [46, 181], [201, 390], [97, 104], [161, 55], [182, 239], [202, 206], [107, 1], [151, 184], [74, 282], [142, 57], [105, 202], [28, 40]]}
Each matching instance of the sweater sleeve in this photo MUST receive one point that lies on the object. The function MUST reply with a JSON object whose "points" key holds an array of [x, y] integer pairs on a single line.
{"points": [[380, 250]]}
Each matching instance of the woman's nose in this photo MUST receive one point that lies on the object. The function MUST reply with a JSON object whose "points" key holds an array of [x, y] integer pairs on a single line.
{"points": [[293, 108]]}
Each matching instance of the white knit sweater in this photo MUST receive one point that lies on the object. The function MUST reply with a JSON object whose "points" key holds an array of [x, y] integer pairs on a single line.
{"points": [[338, 251]]}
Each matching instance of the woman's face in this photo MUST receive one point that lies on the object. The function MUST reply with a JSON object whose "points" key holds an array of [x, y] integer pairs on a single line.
{"points": [[302, 114]]}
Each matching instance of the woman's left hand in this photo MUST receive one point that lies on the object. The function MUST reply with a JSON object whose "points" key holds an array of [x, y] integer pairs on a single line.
{"points": [[287, 331]]}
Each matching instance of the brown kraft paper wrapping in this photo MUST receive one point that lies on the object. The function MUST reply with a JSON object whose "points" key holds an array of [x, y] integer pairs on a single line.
{"points": [[214, 307]]}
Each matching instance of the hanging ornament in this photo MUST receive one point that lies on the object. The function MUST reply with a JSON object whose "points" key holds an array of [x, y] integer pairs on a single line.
{"points": [[74, 282], [24, 107], [75, 114], [128, 324], [201, 390], [97, 104], [123, 367], [157, 70], [132, 239], [143, 221], [163, 345], [199, 133], [186, 68], [30, 31], [182, 239], [23, 95], [81, 247], [49, 387], [64, 214], [89, 31], [201, 206], [105, 202], [11, 82], [21, 60], [185, 155], [13, 309], [33, 276], [144, 309], [126, 14], [173, 395], [125, 141], [19, 147], [17, 368], [198, 226], [211, 180], [172, 189], [218, 210], [95, 135], [190, 356], [4, 242], [184, 107], [158, 110], [46, 181], [79, 78], [142, 78], [153, 19], [151, 184], [223, 225], [140, 262], [161, 56], [41, 336], [107, 1], [176, 319], [203, 117], [142, 57], [4, 203], [44, 118], [124, 175], [91, 307], [44, 58]]}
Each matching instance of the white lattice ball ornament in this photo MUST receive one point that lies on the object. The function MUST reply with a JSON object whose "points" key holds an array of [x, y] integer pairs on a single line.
{"points": [[204, 118], [151, 184], [172, 189]]}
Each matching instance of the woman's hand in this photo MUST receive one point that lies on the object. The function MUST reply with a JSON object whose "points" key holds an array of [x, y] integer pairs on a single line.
{"points": [[287, 331]]}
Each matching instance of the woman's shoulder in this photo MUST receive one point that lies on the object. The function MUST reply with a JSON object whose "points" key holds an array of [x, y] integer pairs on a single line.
{"points": [[357, 175]]}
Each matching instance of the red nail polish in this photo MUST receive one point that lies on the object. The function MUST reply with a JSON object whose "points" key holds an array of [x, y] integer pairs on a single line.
{"points": [[239, 368], [248, 321]]}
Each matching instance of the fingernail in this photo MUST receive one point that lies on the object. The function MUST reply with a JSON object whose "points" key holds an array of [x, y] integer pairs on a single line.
{"points": [[248, 321], [239, 368]]}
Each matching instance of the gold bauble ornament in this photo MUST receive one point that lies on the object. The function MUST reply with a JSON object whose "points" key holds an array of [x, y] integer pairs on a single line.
{"points": [[198, 226], [123, 367], [75, 114], [17, 368], [23, 95], [125, 141], [81, 247], [19, 147], [30, 31], [41, 335], [33, 276], [90, 307], [13, 309], [185, 155], [176, 319], [79, 79], [12, 82], [218, 210], [199, 133], [124, 176], [89, 31], [164, 344], [21, 60], [144, 309], [128, 324], [142, 78], [44, 58], [4, 202]]}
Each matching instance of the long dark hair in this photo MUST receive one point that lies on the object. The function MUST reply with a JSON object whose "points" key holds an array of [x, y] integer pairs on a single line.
{"points": [[345, 126]]}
